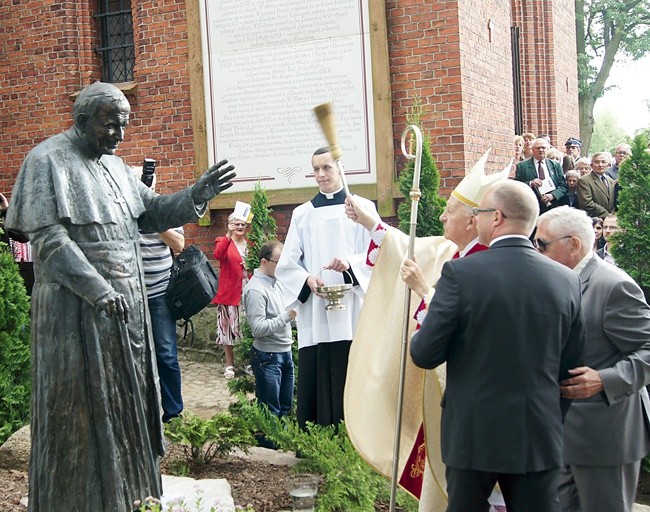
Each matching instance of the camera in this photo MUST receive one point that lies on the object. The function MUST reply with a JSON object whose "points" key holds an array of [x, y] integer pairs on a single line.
{"points": [[148, 171]]}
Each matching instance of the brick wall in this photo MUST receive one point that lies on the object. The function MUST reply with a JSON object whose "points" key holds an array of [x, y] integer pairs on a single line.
{"points": [[549, 68], [443, 52], [42, 48]]}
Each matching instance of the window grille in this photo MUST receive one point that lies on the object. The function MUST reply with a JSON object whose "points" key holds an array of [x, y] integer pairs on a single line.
{"points": [[116, 50]]}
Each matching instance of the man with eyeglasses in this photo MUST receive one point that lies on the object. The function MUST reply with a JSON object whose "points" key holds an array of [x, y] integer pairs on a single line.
{"points": [[610, 226], [596, 189], [622, 152], [544, 176], [606, 431], [507, 322], [375, 347], [270, 326]]}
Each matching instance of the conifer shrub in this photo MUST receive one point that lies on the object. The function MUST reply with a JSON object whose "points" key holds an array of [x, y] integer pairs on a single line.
{"points": [[431, 204], [15, 334], [632, 242]]}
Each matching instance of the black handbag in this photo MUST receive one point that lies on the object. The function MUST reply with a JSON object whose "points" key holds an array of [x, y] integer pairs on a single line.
{"points": [[192, 284]]}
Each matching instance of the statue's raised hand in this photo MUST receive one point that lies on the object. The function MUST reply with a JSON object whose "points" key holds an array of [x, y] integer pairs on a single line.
{"points": [[213, 181]]}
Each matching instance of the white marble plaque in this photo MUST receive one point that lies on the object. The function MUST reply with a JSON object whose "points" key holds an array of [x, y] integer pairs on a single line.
{"points": [[267, 64]]}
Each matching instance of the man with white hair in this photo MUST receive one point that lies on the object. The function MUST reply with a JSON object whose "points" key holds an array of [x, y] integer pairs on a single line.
{"points": [[544, 176], [621, 152], [596, 189], [606, 433]]}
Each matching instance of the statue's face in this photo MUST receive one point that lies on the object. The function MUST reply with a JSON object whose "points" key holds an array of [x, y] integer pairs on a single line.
{"points": [[105, 130]]}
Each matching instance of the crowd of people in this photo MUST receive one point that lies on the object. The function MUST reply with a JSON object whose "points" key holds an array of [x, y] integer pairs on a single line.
{"points": [[546, 342], [589, 183]]}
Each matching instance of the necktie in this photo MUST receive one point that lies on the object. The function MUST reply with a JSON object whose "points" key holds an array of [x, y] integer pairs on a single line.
{"points": [[604, 180], [540, 171]]}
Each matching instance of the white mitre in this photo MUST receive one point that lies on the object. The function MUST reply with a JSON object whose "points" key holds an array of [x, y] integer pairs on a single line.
{"points": [[476, 183]]}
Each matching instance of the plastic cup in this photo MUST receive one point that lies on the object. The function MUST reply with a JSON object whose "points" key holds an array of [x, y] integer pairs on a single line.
{"points": [[303, 488]]}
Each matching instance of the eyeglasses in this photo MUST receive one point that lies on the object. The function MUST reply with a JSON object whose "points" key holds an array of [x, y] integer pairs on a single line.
{"points": [[541, 245], [476, 211], [272, 261], [238, 224]]}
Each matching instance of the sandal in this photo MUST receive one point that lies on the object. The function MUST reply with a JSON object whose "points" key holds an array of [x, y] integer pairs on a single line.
{"points": [[229, 372]]}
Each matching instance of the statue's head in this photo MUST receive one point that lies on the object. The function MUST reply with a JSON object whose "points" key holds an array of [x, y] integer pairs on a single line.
{"points": [[101, 114]]}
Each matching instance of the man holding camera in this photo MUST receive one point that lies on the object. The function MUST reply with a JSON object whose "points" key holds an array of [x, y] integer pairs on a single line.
{"points": [[156, 250]]}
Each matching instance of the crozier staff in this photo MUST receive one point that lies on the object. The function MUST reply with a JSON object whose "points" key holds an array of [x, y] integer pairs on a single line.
{"points": [[96, 428]]}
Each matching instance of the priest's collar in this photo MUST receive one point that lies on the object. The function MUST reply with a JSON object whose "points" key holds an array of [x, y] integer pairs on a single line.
{"points": [[329, 198]]}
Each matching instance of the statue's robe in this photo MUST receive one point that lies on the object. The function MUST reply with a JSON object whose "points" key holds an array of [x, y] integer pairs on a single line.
{"points": [[96, 424]]}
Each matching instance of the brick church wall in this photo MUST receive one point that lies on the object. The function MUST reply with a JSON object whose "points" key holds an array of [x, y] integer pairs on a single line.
{"points": [[549, 68], [446, 53]]}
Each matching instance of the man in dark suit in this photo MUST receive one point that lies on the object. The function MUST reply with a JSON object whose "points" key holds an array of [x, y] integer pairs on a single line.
{"points": [[502, 412], [606, 431], [596, 189], [545, 177]]}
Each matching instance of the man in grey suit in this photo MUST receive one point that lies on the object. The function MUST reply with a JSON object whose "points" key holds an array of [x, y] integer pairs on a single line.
{"points": [[545, 177], [606, 431], [596, 189], [509, 325]]}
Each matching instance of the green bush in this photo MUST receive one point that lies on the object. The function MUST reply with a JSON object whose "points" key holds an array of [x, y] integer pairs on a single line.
{"points": [[203, 440], [630, 247], [263, 227], [348, 484], [15, 384], [430, 205]]}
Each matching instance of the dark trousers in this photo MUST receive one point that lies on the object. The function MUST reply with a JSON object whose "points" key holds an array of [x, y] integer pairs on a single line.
{"points": [[530, 492], [163, 326], [321, 379]]}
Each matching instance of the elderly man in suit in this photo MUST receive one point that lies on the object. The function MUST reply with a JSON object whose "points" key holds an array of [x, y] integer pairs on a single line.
{"points": [[621, 152], [502, 411], [544, 176], [596, 189], [606, 431]]}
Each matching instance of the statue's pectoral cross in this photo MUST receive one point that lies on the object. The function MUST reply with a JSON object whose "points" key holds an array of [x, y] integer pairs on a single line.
{"points": [[120, 200]]}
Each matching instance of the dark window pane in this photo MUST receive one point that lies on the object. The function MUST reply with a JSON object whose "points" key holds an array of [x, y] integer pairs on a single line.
{"points": [[116, 50]]}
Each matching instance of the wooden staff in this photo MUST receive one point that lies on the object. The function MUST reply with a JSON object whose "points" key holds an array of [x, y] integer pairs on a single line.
{"points": [[415, 198], [327, 123]]}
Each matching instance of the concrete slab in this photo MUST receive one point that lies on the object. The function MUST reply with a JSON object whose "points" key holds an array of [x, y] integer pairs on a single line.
{"points": [[196, 495]]}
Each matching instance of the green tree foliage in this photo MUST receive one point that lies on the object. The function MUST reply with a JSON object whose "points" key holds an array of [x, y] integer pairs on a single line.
{"points": [[15, 384], [204, 440], [263, 227], [430, 205], [606, 31], [607, 133], [630, 248]]}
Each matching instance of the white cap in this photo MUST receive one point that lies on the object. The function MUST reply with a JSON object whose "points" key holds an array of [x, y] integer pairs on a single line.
{"points": [[476, 183]]}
